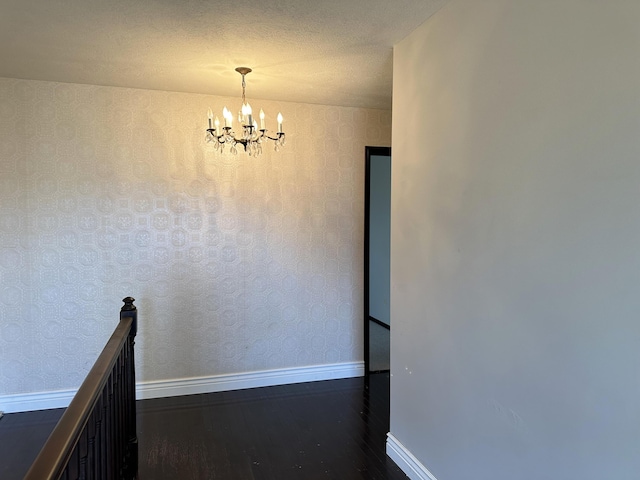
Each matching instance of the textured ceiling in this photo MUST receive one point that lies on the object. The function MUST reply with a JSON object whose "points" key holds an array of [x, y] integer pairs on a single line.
{"points": [[332, 52]]}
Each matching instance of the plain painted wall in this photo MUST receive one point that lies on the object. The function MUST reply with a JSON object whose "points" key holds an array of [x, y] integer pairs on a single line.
{"points": [[380, 237], [515, 259], [238, 264]]}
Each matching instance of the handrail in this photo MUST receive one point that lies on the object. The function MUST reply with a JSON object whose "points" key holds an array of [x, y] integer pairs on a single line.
{"points": [[61, 444]]}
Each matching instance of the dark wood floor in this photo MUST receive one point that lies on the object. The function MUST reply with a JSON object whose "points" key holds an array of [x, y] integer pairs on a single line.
{"points": [[333, 429], [21, 438]]}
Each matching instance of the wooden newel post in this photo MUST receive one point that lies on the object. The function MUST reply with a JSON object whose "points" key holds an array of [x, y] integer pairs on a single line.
{"points": [[130, 310], [130, 472]]}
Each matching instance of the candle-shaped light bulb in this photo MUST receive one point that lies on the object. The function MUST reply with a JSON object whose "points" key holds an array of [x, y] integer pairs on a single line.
{"points": [[261, 119], [226, 114], [279, 122], [210, 115], [217, 124], [228, 117], [249, 115]]}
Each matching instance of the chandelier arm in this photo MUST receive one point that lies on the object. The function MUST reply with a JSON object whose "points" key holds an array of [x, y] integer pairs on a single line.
{"points": [[220, 138], [243, 143], [280, 135]]}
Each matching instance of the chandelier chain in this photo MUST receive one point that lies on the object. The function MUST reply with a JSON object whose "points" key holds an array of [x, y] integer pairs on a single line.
{"points": [[244, 86]]}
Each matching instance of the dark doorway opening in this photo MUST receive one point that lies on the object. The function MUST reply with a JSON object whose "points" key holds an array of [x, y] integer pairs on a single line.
{"points": [[377, 212]]}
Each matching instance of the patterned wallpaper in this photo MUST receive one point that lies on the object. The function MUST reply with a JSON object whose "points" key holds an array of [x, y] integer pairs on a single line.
{"points": [[237, 263]]}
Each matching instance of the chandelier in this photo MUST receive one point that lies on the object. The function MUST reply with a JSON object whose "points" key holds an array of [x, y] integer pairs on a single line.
{"points": [[251, 138]]}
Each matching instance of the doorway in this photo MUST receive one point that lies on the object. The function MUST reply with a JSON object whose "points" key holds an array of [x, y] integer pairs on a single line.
{"points": [[377, 252]]}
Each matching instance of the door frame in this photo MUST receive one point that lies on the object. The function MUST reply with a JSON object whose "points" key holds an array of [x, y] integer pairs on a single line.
{"points": [[368, 153]]}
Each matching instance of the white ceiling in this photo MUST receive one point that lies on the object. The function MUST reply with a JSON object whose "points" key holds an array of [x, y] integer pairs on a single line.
{"points": [[332, 52]]}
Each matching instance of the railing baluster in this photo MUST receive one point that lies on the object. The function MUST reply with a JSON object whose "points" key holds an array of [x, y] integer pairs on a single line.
{"points": [[109, 422], [103, 437], [82, 449], [91, 443], [119, 442]]}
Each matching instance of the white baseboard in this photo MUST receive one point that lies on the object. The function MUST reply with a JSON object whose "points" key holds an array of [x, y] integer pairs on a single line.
{"points": [[406, 461], [26, 402], [239, 381], [189, 386]]}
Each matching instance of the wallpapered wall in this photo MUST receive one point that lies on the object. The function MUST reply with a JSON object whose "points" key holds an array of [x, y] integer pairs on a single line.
{"points": [[236, 263]]}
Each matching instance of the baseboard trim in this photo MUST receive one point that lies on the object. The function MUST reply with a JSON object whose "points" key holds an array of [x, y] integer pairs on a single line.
{"points": [[189, 386], [240, 381], [27, 402], [406, 461]]}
